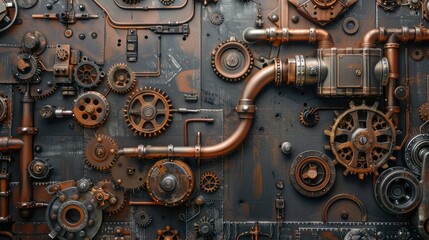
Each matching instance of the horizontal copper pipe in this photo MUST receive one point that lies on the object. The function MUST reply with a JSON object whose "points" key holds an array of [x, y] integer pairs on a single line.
{"points": [[404, 34], [10, 144], [246, 110], [138, 203], [284, 35]]}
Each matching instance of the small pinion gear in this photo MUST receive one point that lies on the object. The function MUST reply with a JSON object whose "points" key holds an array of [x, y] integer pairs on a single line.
{"points": [[121, 79], [100, 152], [216, 18], [143, 218], [209, 182], [309, 117], [424, 112], [417, 54]]}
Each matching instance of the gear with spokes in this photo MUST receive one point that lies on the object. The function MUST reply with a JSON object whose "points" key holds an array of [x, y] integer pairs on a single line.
{"points": [[91, 109], [100, 152], [121, 79], [362, 139], [87, 74], [148, 111], [209, 182]]}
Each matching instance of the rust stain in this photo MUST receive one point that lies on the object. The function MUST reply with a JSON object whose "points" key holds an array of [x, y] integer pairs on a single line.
{"points": [[257, 175], [185, 81]]}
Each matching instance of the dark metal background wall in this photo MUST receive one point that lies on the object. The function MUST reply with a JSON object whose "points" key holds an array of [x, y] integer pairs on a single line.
{"points": [[214, 119]]}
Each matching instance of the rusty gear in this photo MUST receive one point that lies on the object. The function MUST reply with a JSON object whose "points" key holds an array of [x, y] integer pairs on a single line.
{"points": [[232, 60], [131, 1], [118, 193], [167, 234], [121, 79], [26, 68], [148, 111], [3, 108], [87, 74], [204, 229], [209, 182], [216, 18], [91, 109], [62, 54], [166, 2], [362, 139], [424, 112], [312, 173], [309, 117], [128, 173], [388, 5], [417, 54], [143, 218], [100, 152], [40, 90]]}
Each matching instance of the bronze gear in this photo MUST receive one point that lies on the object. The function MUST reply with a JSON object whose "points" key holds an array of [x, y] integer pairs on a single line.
{"points": [[424, 112], [118, 193], [121, 79], [209, 182], [417, 54], [26, 68], [100, 152], [312, 173], [91, 109], [143, 218], [309, 117], [362, 139], [87, 74], [129, 173], [232, 60], [148, 111], [62, 54], [167, 234]]}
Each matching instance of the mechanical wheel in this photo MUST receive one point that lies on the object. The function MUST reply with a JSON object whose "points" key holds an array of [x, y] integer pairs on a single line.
{"points": [[143, 218], [87, 74], [209, 182], [129, 173], [398, 191], [170, 182], [309, 117], [100, 152], [3, 108], [204, 229], [424, 112], [216, 18], [40, 90], [166, 2], [148, 111], [232, 60], [362, 139], [120, 196], [312, 173], [417, 54], [91, 109], [121, 79], [26, 68], [416, 151]]}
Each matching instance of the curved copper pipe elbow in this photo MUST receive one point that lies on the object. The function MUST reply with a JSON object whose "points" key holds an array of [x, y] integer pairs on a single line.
{"points": [[324, 39], [371, 38]]}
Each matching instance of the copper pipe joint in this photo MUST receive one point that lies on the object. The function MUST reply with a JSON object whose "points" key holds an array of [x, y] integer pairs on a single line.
{"points": [[10, 144]]}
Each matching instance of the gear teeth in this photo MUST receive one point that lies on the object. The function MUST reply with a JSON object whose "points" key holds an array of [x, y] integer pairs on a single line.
{"points": [[166, 2], [143, 218], [417, 54], [131, 1], [128, 82], [108, 162]]}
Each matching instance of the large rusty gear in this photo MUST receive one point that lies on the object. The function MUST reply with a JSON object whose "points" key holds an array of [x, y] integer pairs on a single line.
{"points": [[3, 108], [100, 152], [40, 90], [232, 60], [362, 139], [312, 173], [87, 74], [26, 68], [209, 182], [128, 173], [424, 112], [91, 109], [121, 197], [121, 79], [148, 111]]}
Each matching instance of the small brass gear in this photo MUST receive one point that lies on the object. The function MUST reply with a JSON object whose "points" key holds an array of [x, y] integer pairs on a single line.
{"points": [[143, 218], [148, 111], [166, 2], [309, 117], [121, 79], [62, 54], [232, 60], [216, 18], [26, 68], [209, 182], [87, 74], [91, 109], [100, 152], [424, 112], [417, 54]]}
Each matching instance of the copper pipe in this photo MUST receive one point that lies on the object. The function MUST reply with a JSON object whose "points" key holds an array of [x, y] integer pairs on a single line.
{"points": [[26, 130], [391, 53], [276, 36], [6, 234], [246, 110], [138, 203], [404, 34], [4, 197], [10, 144], [191, 120]]}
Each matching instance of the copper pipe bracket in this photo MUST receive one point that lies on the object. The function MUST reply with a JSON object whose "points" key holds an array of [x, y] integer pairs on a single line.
{"points": [[246, 108], [27, 131]]}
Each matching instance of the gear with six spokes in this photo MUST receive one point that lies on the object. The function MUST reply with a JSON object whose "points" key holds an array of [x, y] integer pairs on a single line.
{"points": [[148, 111], [100, 152], [209, 182], [121, 79]]}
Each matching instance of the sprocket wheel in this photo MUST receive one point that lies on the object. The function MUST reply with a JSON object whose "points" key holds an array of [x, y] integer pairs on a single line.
{"points": [[209, 182], [26, 68], [417, 54], [143, 218], [424, 112], [87, 74], [232, 60], [121, 79], [91, 109], [100, 152], [216, 18], [148, 111], [362, 139], [309, 117]]}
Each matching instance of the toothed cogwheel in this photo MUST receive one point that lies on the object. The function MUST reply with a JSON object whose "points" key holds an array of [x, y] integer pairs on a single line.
{"points": [[232, 60], [209, 182], [129, 173], [143, 218], [121, 197], [26, 68], [87, 74], [91, 109], [216, 18], [148, 111], [62, 54], [417, 54], [166, 2], [424, 112], [41, 90], [131, 1], [309, 117], [100, 152], [121, 79]]}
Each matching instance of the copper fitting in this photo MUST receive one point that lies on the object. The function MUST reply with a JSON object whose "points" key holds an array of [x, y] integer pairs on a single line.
{"points": [[403, 34], [10, 144]]}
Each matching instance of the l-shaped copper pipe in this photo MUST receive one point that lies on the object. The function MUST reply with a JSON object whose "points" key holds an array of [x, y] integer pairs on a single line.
{"points": [[246, 109], [283, 35]]}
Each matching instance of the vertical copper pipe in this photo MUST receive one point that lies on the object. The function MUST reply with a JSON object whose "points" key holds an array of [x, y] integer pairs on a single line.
{"points": [[26, 130], [4, 197], [391, 53]]}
